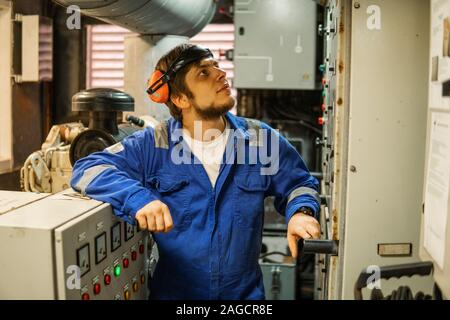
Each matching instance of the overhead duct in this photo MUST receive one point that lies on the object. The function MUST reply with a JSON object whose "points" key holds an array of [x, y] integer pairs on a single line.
{"points": [[174, 17]]}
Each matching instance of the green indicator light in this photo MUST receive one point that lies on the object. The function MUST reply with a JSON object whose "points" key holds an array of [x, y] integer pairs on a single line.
{"points": [[117, 271]]}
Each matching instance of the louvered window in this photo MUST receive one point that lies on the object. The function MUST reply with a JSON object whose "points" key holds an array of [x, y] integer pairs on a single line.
{"points": [[105, 55]]}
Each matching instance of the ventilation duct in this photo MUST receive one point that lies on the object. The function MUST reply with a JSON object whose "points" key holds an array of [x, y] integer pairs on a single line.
{"points": [[156, 17]]}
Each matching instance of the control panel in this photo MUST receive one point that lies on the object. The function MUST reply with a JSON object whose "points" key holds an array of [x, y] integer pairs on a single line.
{"points": [[111, 255], [78, 249], [373, 128]]}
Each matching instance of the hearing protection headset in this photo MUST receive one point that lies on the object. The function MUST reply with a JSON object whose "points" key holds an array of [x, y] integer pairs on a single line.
{"points": [[158, 84]]}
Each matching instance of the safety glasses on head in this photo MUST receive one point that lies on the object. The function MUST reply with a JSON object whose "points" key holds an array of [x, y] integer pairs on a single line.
{"points": [[158, 85]]}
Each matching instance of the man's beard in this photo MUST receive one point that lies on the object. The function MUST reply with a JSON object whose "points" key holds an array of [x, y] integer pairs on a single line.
{"points": [[213, 112]]}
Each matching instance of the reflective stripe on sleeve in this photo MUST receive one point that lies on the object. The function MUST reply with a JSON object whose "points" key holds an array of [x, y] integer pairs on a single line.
{"points": [[301, 191], [115, 148], [90, 174]]}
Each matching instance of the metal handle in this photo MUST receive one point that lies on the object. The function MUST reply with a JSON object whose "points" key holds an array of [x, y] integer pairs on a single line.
{"points": [[330, 247], [396, 271]]}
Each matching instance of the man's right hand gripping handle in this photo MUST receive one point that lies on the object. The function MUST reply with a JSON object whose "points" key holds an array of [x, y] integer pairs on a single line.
{"points": [[155, 217]]}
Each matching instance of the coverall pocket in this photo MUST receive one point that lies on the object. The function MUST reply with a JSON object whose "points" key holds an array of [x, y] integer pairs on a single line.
{"points": [[171, 190], [250, 194]]}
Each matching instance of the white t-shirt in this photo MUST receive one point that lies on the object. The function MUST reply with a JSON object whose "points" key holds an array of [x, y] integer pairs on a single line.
{"points": [[210, 153]]}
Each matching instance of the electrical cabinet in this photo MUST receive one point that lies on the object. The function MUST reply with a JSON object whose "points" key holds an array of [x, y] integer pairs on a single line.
{"points": [[64, 246], [375, 96], [275, 44]]}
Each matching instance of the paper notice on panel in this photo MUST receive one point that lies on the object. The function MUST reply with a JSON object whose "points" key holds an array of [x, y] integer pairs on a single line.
{"points": [[437, 187], [440, 55]]}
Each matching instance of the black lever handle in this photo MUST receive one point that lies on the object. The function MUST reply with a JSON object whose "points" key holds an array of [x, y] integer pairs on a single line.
{"points": [[396, 271], [330, 247]]}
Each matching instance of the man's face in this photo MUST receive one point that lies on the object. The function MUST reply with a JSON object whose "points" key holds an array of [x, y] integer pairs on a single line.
{"points": [[209, 85]]}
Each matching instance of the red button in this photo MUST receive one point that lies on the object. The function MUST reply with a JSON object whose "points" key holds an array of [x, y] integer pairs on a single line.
{"points": [[141, 249], [107, 279], [323, 107], [85, 296], [321, 121], [126, 262], [133, 255], [97, 288]]}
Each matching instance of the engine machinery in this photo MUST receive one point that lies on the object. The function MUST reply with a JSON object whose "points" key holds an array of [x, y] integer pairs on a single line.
{"points": [[50, 169]]}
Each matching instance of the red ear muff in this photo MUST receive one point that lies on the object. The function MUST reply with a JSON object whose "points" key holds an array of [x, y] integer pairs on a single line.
{"points": [[161, 95], [157, 87]]}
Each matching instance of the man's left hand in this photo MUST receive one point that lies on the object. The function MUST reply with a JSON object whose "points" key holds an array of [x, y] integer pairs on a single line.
{"points": [[301, 226]]}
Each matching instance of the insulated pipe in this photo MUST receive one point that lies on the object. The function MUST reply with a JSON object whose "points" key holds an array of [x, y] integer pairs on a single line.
{"points": [[150, 17]]}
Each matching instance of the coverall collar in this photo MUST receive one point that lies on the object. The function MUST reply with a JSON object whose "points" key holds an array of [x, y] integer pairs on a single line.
{"points": [[241, 131]]}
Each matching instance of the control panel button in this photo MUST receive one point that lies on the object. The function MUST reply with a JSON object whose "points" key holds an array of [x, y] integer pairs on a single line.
{"points": [[126, 263], [127, 295], [97, 288], [117, 271], [107, 279], [85, 296]]}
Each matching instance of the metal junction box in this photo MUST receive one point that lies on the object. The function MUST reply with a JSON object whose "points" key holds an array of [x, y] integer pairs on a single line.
{"points": [[275, 44]]}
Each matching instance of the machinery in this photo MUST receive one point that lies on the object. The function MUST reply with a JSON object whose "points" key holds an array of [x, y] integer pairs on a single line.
{"points": [[64, 246], [50, 169]]}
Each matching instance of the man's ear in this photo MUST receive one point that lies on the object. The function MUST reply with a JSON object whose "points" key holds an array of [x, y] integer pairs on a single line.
{"points": [[180, 101]]}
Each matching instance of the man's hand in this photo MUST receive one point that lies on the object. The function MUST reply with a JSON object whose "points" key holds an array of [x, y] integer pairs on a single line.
{"points": [[155, 217], [301, 226]]}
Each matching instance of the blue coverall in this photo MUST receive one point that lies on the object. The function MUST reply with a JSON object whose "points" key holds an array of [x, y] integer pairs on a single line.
{"points": [[212, 251]]}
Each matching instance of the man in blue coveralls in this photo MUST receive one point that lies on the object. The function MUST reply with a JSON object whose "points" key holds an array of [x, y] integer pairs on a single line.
{"points": [[198, 182]]}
